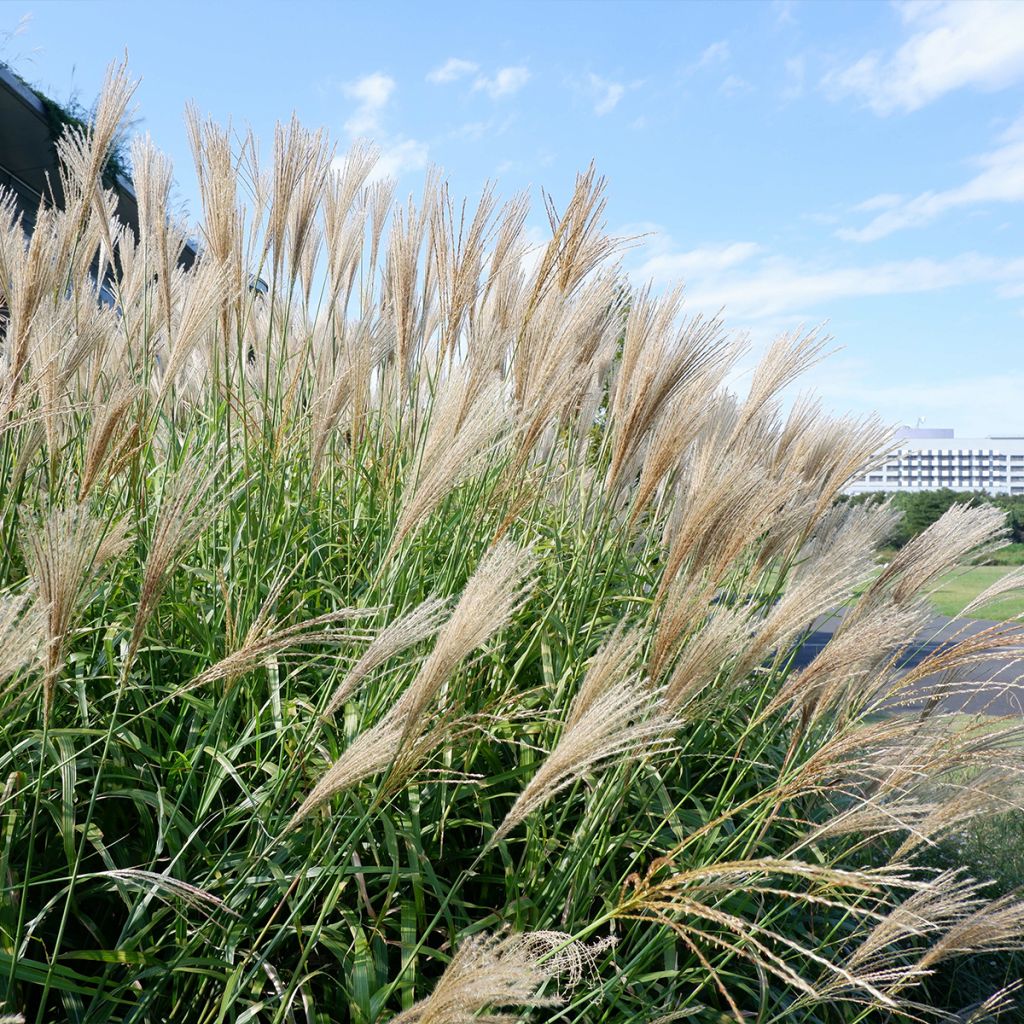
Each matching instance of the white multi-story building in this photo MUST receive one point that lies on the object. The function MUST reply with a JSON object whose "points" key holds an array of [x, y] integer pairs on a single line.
{"points": [[926, 460]]}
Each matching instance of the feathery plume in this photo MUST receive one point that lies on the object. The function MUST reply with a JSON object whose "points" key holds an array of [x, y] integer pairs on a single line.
{"points": [[395, 744], [161, 237], [166, 887], [405, 298], [204, 290], [109, 429], [850, 671], [422, 622], [185, 510], [492, 596], [458, 255], [678, 424], [722, 639], [83, 154], [217, 174], [612, 662], [464, 430], [658, 360], [65, 551], [616, 725], [694, 903], [500, 970], [343, 222], [564, 348], [997, 926], [346, 365], [402, 739], [264, 640], [933, 552], [1007, 584], [578, 243], [948, 898], [788, 357], [22, 627]]}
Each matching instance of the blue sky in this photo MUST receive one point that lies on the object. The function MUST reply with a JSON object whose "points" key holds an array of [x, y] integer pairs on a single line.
{"points": [[855, 164]]}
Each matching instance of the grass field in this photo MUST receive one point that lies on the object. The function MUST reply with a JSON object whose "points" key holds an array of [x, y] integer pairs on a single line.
{"points": [[961, 586], [1011, 554]]}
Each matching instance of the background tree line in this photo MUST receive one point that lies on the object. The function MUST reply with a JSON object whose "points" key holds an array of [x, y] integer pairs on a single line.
{"points": [[922, 508]]}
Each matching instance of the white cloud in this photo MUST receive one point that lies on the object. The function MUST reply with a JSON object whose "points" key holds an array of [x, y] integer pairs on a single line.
{"points": [[733, 85], [505, 82], [764, 293], [477, 130], [951, 45], [999, 180], [398, 157], [397, 154], [752, 284], [666, 265], [784, 11], [606, 94], [779, 285], [452, 70], [884, 201], [373, 93], [395, 158], [474, 130], [716, 53]]}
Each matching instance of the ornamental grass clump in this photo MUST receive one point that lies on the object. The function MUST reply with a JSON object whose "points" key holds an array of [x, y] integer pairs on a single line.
{"points": [[397, 623]]}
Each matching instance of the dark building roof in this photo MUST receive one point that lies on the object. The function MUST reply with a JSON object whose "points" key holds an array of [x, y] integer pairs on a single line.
{"points": [[28, 158]]}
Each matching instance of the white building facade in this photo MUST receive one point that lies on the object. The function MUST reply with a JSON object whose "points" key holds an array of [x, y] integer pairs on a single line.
{"points": [[927, 460]]}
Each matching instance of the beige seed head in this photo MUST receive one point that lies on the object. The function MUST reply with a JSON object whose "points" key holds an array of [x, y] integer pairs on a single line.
{"points": [[66, 551], [619, 725], [504, 969], [422, 622]]}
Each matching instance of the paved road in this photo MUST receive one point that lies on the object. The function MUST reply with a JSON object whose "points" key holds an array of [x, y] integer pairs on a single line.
{"points": [[998, 682]]}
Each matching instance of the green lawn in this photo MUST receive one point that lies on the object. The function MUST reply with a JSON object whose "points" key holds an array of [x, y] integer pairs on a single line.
{"points": [[964, 584], [1011, 554]]}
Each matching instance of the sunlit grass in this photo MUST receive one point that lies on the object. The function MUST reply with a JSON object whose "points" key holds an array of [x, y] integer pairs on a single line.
{"points": [[964, 584], [408, 638]]}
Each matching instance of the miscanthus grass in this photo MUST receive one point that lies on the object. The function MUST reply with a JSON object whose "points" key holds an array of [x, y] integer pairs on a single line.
{"points": [[397, 624]]}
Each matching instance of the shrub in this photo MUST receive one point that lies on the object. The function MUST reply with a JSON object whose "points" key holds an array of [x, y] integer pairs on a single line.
{"points": [[390, 641]]}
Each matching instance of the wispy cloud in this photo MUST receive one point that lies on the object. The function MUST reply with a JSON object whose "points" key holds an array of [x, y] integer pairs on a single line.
{"points": [[605, 94], [778, 285], [764, 293], [950, 45], [711, 56], [733, 85], [999, 180], [372, 93], [504, 82], [784, 11], [664, 264], [753, 284], [452, 70], [473, 130], [883, 201], [398, 155], [401, 156], [492, 127]]}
